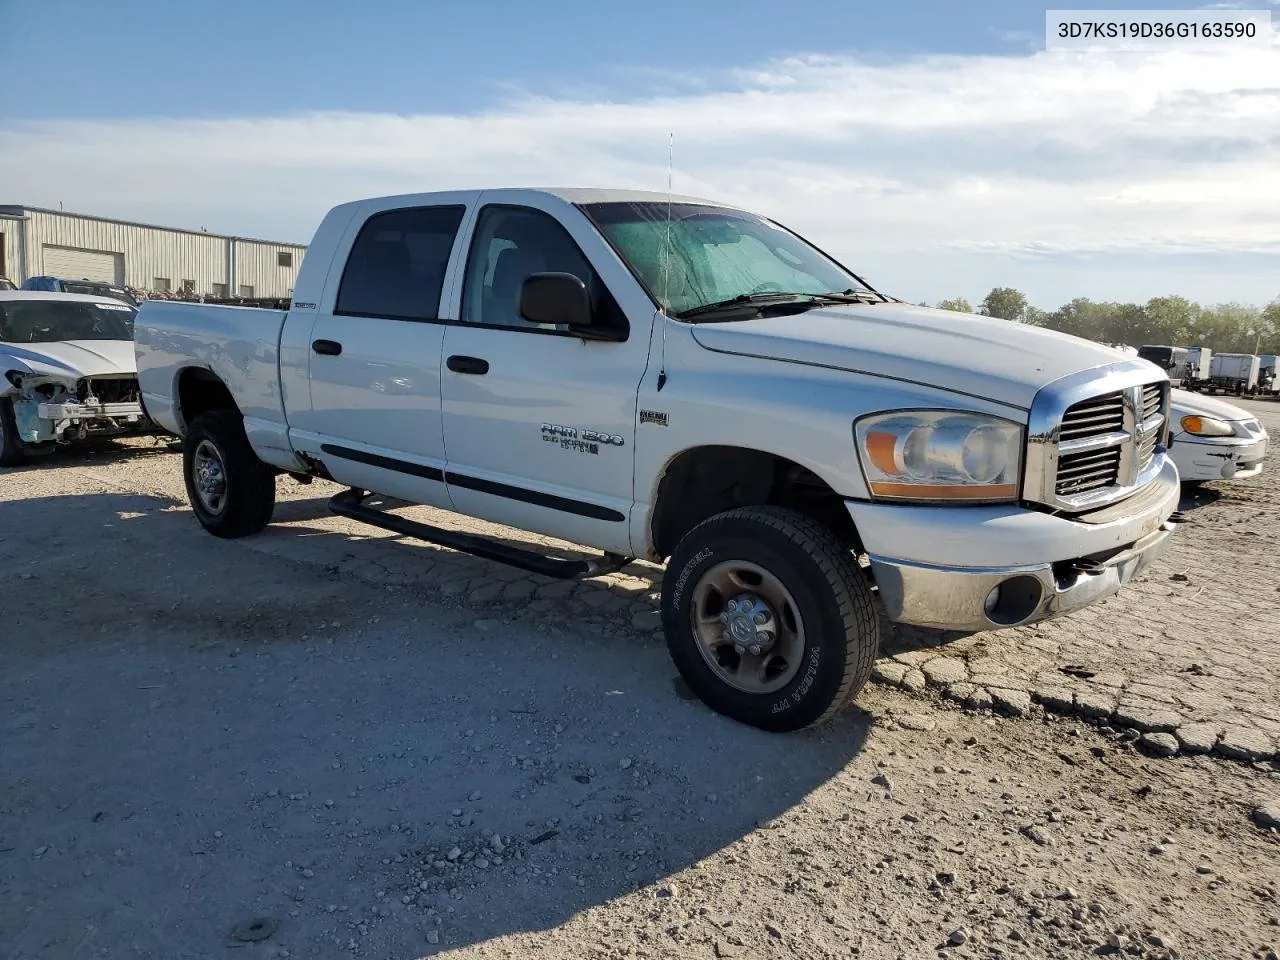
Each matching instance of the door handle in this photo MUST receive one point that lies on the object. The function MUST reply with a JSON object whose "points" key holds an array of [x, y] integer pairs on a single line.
{"points": [[460, 364], [330, 348]]}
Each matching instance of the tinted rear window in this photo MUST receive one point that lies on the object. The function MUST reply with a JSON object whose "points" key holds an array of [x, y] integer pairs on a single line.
{"points": [[397, 264]]}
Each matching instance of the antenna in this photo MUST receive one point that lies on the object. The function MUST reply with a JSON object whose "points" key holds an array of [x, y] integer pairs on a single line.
{"points": [[666, 266]]}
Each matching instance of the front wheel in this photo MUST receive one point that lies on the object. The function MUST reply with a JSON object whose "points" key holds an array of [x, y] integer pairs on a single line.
{"points": [[232, 492], [768, 618]]}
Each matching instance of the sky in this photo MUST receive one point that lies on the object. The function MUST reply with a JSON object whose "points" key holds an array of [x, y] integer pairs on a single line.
{"points": [[936, 148]]}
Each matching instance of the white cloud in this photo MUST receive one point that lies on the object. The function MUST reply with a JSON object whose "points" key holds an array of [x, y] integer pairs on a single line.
{"points": [[1066, 174]]}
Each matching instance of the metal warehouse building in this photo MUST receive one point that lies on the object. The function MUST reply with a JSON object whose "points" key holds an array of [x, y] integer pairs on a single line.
{"points": [[37, 242]]}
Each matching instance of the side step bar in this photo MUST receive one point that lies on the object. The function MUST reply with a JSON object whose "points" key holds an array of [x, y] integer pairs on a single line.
{"points": [[350, 503]]}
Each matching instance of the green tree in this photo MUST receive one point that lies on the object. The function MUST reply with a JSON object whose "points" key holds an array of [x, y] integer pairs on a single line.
{"points": [[1172, 320], [1269, 326], [958, 304], [1005, 303]]}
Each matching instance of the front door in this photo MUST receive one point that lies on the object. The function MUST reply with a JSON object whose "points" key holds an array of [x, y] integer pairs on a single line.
{"points": [[375, 357], [539, 425]]}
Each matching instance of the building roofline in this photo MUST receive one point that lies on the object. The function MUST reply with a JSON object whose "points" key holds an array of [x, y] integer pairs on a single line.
{"points": [[18, 210]]}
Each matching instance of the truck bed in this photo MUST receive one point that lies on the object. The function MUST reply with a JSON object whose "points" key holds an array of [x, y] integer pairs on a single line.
{"points": [[240, 345]]}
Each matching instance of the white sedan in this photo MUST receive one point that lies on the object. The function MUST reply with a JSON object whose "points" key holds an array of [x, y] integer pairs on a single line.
{"points": [[1214, 440], [67, 372]]}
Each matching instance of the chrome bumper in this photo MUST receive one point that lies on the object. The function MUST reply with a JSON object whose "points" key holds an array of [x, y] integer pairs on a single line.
{"points": [[955, 598]]}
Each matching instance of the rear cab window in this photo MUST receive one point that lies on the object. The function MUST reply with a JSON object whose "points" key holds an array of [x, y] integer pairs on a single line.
{"points": [[397, 265]]}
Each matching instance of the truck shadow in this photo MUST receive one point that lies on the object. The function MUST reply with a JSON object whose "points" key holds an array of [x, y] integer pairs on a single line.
{"points": [[1196, 497], [293, 519], [260, 674]]}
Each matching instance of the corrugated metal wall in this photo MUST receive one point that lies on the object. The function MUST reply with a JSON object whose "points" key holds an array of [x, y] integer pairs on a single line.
{"points": [[258, 267], [213, 264], [11, 262]]}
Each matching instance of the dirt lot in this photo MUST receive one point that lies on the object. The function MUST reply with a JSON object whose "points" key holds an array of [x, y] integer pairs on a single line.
{"points": [[322, 729]]}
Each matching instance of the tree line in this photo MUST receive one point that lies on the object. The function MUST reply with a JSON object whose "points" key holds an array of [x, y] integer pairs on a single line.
{"points": [[1224, 327]]}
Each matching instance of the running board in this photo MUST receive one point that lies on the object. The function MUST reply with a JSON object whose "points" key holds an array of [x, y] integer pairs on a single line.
{"points": [[350, 503]]}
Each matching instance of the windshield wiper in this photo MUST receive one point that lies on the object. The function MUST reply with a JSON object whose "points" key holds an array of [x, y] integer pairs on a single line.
{"points": [[806, 301], [850, 296], [742, 300]]}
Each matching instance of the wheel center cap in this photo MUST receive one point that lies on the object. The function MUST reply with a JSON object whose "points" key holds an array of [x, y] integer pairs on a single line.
{"points": [[749, 624]]}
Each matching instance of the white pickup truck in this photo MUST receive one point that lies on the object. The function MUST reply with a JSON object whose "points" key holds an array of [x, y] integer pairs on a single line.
{"points": [[678, 380]]}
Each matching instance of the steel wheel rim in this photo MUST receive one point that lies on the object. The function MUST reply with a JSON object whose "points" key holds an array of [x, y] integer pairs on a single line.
{"points": [[209, 477], [733, 581]]}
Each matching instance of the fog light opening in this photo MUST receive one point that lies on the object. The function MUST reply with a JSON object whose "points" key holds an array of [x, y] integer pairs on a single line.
{"points": [[1013, 601]]}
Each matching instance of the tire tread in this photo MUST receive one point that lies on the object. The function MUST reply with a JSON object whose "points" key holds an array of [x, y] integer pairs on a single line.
{"points": [[854, 600], [249, 510]]}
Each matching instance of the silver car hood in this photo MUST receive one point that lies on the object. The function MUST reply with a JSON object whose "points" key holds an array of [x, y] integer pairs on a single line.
{"points": [[69, 360], [965, 353]]}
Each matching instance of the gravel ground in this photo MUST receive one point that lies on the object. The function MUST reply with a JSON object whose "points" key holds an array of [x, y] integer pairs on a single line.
{"points": [[313, 736]]}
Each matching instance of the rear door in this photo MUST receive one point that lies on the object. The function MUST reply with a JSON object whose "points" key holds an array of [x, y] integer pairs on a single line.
{"points": [[374, 365]]}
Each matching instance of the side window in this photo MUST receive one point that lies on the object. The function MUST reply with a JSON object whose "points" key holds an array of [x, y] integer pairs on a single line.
{"points": [[397, 264], [509, 244]]}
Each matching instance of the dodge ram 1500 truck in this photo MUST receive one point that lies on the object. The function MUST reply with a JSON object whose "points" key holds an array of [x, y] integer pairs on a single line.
{"points": [[679, 380]]}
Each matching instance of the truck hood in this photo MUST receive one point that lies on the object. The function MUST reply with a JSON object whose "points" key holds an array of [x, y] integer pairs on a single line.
{"points": [[1184, 403], [69, 359], [980, 356]]}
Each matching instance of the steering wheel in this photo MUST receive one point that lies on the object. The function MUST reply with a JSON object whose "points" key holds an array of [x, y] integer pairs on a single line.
{"points": [[767, 287]]}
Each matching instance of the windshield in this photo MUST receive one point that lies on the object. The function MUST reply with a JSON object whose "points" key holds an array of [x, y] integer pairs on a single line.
{"points": [[97, 290], [715, 254], [49, 321], [1157, 355]]}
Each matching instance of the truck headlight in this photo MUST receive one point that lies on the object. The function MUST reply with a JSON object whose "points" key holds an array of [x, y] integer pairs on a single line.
{"points": [[940, 455], [1207, 427]]}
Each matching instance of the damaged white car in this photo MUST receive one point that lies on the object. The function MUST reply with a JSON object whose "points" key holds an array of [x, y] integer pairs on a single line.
{"points": [[1214, 440], [67, 372]]}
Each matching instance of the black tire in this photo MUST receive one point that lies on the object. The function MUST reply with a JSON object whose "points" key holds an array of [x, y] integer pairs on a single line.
{"points": [[249, 493], [834, 601], [13, 452]]}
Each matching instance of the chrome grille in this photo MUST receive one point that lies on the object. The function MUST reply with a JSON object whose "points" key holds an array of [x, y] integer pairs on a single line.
{"points": [[1092, 417], [1152, 395], [1152, 404], [1078, 473], [1092, 447], [1088, 444]]}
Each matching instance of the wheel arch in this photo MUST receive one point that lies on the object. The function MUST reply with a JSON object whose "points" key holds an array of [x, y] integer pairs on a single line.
{"points": [[198, 390], [699, 482]]}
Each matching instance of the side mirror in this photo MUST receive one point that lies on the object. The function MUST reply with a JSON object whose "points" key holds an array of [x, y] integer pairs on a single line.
{"points": [[560, 299]]}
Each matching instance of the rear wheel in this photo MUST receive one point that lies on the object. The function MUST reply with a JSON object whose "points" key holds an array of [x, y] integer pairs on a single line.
{"points": [[232, 492], [768, 618]]}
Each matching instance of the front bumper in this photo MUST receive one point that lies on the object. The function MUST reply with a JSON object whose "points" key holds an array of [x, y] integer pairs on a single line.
{"points": [[938, 566], [90, 411], [1227, 458]]}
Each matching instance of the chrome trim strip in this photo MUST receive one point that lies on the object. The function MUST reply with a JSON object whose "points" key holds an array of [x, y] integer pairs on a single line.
{"points": [[1152, 425], [1100, 442]]}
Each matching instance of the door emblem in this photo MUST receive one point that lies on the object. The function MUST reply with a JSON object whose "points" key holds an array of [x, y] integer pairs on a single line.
{"points": [[582, 441]]}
